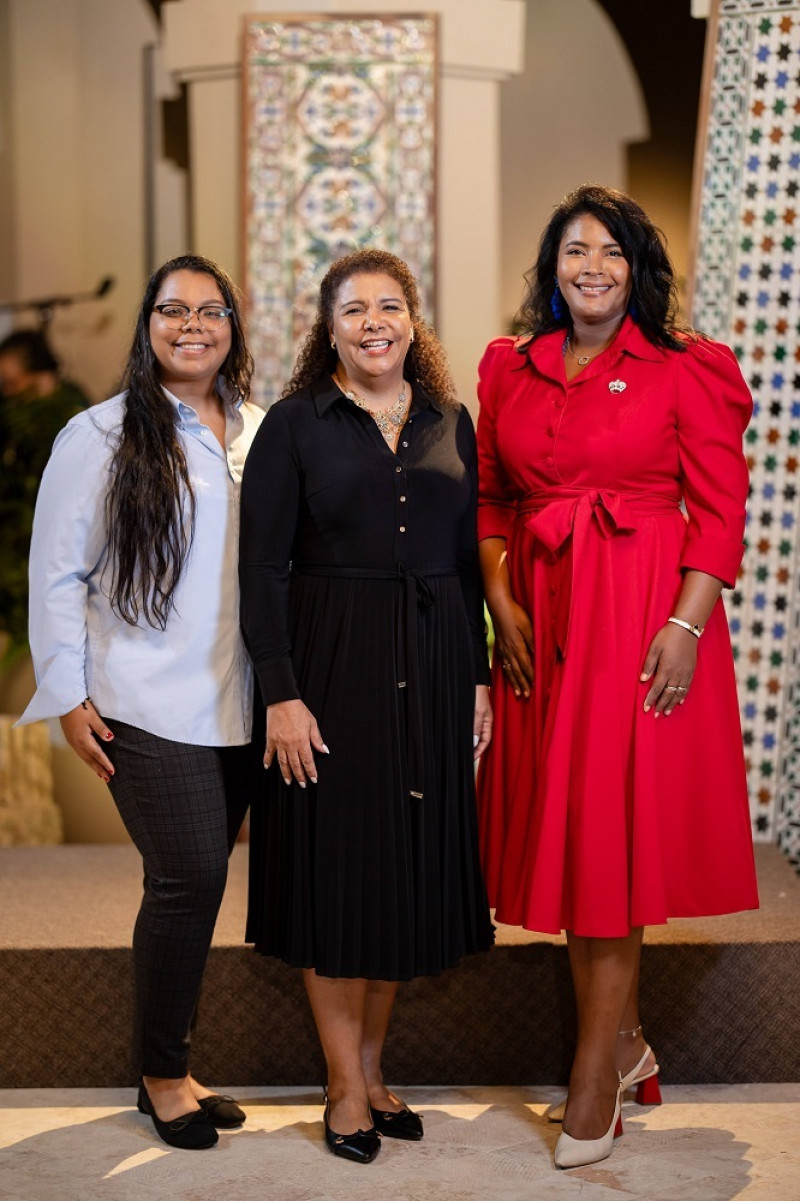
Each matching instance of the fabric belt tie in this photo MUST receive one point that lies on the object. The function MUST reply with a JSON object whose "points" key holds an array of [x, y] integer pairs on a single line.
{"points": [[556, 516], [416, 594]]}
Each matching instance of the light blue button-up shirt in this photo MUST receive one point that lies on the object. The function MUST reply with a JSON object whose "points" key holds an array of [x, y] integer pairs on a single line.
{"points": [[191, 682]]}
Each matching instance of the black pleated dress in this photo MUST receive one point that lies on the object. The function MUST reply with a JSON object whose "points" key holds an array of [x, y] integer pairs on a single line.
{"points": [[361, 595]]}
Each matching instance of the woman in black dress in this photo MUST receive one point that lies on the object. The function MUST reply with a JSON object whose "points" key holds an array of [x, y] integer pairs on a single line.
{"points": [[363, 612]]}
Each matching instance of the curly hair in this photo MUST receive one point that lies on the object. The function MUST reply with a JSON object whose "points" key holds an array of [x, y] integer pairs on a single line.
{"points": [[150, 535], [653, 301], [425, 362]]}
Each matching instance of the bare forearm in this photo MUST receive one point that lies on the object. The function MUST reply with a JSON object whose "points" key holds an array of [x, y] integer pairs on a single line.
{"points": [[698, 596], [494, 568]]}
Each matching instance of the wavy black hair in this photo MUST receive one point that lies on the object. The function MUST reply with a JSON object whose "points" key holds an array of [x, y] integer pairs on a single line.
{"points": [[425, 361], [653, 301], [150, 506]]}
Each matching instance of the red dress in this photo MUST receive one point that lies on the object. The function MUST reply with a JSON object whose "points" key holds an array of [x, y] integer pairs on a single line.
{"points": [[595, 817]]}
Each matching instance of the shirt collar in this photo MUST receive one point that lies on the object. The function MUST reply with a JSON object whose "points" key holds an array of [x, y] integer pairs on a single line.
{"points": [[225, 390], [546, 351], [327, 393]]}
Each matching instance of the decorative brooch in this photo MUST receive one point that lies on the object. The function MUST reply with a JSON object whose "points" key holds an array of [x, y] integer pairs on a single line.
{"points": [[617, 385]]}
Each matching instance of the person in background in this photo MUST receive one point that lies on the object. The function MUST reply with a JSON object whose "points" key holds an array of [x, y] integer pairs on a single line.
{"points": [[135, 639], [363, 612], [614, 792], [36, 401]]}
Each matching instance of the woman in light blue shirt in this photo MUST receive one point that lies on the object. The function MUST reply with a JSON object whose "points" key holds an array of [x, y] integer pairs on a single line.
{"points": [[134, 631]]}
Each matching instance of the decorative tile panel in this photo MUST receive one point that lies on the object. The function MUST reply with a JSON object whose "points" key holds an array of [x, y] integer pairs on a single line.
{"points": [[747, 295], [340, 120]]}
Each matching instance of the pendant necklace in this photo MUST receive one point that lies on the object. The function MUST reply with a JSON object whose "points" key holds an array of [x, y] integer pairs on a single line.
{"points": [[583, 359], [389, 421]]}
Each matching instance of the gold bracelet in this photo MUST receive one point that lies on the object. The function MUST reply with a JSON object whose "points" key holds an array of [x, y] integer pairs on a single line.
{"points": [[687, 625]]}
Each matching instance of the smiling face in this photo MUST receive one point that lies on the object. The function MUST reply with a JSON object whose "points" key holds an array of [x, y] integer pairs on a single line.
{"points": [[372, 327], [189, 357], [592, 273]]}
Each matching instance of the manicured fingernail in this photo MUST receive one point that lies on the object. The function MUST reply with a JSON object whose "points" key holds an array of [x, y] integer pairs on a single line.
{"points": [[108, 736], [313, 779], [300, 782], [286, 780], [642, 677], [647, 708], [657, 714], [325, 749], [475, 739]]}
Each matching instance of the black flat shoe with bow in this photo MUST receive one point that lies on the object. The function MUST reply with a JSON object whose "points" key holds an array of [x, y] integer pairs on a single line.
{"points": [[405, 1124], [191, 1132], [223, 1111], [361, 1147]]}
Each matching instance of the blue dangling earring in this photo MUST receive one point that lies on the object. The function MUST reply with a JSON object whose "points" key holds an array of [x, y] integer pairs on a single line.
{"points": [[557, 306]]}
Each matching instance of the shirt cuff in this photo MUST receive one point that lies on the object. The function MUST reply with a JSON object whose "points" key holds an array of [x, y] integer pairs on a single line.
{"points": [[494, 521], [61, 688], [276, 681], [716, 556]]}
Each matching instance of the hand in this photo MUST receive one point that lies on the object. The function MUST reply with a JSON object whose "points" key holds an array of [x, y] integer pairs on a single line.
{"points": [[670, 663], [292, 731], [482, 721], [514, 645], [82, 726]]}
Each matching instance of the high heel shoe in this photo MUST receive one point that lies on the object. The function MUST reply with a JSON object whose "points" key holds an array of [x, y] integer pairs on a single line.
{"points": [[191, 1132], [577, 1152], [648, 1091], [405, 1124], [361, 1147]]}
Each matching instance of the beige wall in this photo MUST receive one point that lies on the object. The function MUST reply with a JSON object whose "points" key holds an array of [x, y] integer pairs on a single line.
{"points": [[75, 119], [567, 120]]}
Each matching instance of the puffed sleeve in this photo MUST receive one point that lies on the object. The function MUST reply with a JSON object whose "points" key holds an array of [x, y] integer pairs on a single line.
{"points": [[68, 541], [270, 499], [496, 500], [714, 406], [468, 563]]}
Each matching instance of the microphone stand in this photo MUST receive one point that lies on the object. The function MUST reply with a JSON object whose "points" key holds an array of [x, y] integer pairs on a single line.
{"points": [[46, 306]]}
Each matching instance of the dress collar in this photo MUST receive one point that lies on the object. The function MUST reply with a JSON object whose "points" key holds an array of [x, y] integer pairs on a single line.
{"points": [[546, 351]]}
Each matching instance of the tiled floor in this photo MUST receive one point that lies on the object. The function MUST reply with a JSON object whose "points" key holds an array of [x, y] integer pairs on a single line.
{"points": [[708, 1143]]}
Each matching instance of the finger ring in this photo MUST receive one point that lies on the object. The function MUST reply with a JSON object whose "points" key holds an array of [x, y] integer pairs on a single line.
{"points": [[672, 688], [681, 688]]}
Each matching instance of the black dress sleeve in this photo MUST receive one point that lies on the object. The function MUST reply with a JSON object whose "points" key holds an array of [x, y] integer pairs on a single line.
{"points": [[468, 561], [270, 500]]}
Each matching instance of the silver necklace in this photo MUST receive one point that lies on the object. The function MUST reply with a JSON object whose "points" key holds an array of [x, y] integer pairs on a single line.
{"points": [[389, 421]]}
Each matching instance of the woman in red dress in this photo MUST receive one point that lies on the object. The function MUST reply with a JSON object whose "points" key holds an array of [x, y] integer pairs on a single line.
{"points": [[611, 516]]}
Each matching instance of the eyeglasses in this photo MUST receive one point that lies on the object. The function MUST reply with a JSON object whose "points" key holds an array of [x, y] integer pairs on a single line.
{"points": [[175, 316]]}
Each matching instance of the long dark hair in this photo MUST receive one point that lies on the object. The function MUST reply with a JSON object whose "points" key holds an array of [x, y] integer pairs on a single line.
{"points": [[653, 302], [425, 362], [150, 507]]}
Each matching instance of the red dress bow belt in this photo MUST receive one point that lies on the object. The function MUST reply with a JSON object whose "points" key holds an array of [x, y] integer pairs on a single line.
{"points": [[556, 516]]}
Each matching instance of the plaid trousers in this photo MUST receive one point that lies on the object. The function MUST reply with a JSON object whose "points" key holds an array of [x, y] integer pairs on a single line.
{"points": [[183, 807]]}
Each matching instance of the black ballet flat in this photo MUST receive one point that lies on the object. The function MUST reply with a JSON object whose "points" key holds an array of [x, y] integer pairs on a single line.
{"points": [[223, 1111], [361, 1147], [405, 1124], [192, 1132]]}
